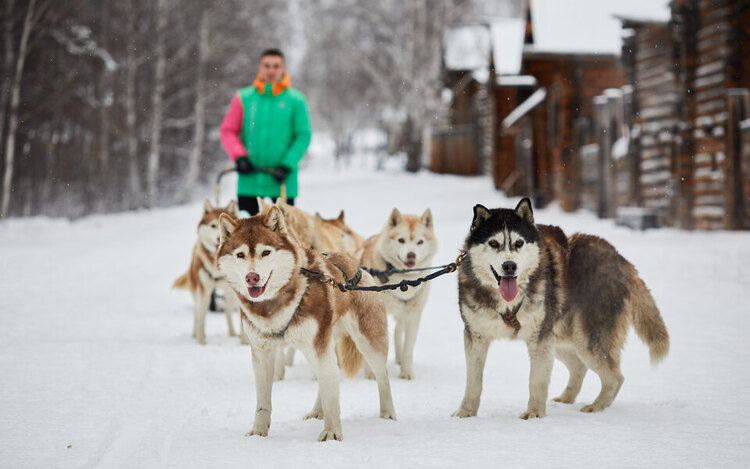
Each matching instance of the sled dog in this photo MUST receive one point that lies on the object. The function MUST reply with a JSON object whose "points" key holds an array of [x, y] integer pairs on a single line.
{"points": [[570, 298], [203, 275], [406, 242], [320, 234], [343, 238], [262, 262], [313, 231]]}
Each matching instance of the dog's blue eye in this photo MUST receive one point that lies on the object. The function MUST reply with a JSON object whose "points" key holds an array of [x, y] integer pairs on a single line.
{"points": [[494, 244], [240, 255]]}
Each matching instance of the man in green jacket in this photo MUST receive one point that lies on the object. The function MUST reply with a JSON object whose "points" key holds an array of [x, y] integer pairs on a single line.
{"points": [[266, 132]]}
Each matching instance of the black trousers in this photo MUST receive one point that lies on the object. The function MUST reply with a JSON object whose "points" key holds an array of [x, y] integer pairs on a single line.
{"points": [[250, 203]]}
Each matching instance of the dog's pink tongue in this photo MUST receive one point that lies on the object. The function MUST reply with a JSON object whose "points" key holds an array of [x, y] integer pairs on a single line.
{"points": [[255, 291], [508, 288]]}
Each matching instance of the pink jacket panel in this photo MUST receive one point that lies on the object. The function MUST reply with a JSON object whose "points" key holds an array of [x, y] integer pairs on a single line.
{"points": [[231, 127]]}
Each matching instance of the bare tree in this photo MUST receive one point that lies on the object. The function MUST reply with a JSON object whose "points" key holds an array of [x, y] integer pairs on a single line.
{"points": [[199, 128], [157, 110], [15, 98]]}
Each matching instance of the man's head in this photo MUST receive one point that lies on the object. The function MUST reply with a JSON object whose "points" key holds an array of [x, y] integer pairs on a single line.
{"points": [[271, 68]]}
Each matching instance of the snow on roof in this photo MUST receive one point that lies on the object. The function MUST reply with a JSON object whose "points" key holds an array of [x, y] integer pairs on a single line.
{"points": [[515, 80], [468, 47], [507, 36], [586, 25], [523, 108]]}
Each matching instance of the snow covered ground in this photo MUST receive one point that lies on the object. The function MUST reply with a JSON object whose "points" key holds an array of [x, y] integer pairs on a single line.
{"points": [[98, 368]]}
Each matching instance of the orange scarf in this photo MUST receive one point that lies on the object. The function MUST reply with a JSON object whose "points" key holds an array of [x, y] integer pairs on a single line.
{"points": [[277, 88]]}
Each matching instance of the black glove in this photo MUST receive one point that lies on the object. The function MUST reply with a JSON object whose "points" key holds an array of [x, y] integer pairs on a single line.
{"points": [[280, 174], [244, 165]]}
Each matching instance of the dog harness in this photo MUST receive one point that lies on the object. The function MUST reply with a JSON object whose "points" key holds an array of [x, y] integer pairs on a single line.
{"points": [[206, 262], [509, 317]]}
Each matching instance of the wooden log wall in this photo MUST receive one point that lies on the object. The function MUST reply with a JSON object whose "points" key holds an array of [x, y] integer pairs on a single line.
{"points": [[714, 38], [572, 81], [649, 57]]}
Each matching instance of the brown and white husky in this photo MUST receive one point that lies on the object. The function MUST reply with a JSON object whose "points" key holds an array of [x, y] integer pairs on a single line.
{"points": [[262, 261], [316, 232], [570, 298], [406, 242], [203, 276]]}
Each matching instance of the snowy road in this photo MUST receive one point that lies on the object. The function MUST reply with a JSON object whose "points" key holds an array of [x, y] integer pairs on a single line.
{"points": [[98, 368]]}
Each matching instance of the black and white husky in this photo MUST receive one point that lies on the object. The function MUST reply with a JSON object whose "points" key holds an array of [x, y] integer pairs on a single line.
{"points": [[567, 298]]}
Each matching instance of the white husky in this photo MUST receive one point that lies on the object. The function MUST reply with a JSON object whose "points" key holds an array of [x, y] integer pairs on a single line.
{"points": [[406, 242]]}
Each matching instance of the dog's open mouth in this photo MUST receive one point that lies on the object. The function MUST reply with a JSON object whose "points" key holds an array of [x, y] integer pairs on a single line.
{"points": [[409, 263], [256, 291], [507, 285]]}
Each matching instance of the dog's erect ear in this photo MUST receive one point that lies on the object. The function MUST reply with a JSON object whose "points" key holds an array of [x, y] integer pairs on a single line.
{"points": [[283, 206], [481, 214], [341, 216], [207, 207], [275, 220], [523, 209], [427, 218], [232, 208], [227, 225], [395, 218], [262, 204]]}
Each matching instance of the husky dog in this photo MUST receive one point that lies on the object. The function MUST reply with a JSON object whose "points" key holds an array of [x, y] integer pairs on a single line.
{"points": [[315, 232], [262, 261], [342, 236], [203, 275], [319, 234], [406, 242], [567, 298]]}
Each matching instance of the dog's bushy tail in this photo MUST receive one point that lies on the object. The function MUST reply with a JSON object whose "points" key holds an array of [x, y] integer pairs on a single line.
{"points": [[182, 282], [350, 358], [648, 322]]}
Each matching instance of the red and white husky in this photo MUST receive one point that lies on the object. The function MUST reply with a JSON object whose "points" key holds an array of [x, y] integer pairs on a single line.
{"points": [[203, 276], [262, 261]]}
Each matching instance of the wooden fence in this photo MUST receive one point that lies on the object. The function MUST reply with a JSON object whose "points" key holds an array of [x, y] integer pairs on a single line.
{"points": [[455, 150]]}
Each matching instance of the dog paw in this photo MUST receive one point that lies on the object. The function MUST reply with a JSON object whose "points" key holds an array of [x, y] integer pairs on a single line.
{"points": [[327, 435], [388, 414], [564, 399], [278, 376], [369, 374], [408, 375], [201, 340], [463, 413], [244, 340], [591, 408], [314, 414], [232, 334], [257, 432], [532, 414]]}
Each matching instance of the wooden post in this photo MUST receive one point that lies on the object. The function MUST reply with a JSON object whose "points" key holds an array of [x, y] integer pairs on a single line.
{"points": [[738, 108], [604, 139]]}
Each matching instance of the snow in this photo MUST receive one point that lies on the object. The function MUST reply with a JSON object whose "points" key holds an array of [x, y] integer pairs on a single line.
{"points": [[99, 370], [468, 47], [507, 36], [585, 26], [525, 107]]}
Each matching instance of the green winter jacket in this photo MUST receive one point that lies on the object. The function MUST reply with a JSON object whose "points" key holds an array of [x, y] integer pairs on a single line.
{"points": [[276, 133]]}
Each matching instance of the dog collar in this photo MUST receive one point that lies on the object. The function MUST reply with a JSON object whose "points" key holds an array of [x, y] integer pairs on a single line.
{"points": [[509, 317]]}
